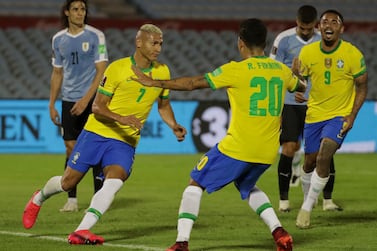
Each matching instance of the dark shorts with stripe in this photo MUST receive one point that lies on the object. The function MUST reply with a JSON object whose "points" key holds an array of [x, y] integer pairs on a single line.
{"points": [[293, 121], [73, 125]]}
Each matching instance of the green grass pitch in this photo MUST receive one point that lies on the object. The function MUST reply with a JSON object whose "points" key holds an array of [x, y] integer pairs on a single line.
{"points": [[143, 215]]}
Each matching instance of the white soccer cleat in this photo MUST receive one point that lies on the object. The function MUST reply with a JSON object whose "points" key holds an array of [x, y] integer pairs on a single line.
{"points": [[329, 205], [303, 219], [70, 207], [284, 206]]}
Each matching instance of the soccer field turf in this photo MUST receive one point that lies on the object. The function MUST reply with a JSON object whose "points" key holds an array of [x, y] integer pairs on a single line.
{"points": [[143, 215]]}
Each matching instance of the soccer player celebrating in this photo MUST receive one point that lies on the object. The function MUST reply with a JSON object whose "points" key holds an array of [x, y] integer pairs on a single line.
{"points": [[339, 78], [256, 88], [286, 48], [112, 133]]}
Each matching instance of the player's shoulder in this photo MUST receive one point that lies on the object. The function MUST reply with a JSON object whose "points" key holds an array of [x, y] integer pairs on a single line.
{"points": [[159, 65], [93, 30], [349, 48], [286, 34], [311, 46], [348, 45], [60, 34], [276, 64], [121, 62]]}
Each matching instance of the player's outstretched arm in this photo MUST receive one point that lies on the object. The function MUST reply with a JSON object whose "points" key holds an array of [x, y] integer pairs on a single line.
{"points": [[178, 84]]}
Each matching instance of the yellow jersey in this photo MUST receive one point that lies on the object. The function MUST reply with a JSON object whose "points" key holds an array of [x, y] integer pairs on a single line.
{"points": [[256, 89], [128, 97], [332, 76]]}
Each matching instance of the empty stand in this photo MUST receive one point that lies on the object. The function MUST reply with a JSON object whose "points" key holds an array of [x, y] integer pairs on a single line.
{"points": [[362, 10], [25, 62], [38, 8]]}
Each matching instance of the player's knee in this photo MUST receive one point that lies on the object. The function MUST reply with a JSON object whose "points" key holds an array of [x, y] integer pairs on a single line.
{"points": [[67, 184]]}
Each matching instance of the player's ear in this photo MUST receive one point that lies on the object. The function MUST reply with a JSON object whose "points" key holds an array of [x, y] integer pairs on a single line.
{"points": [[342, 29], [138, 42], [240, 43]]}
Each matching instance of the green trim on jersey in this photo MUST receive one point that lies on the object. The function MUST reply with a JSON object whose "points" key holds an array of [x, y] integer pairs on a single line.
{"points": [[332, 76], [210, 83], [104, 92], [256, 88], [145, 70], [329, 52], [128, 97]]}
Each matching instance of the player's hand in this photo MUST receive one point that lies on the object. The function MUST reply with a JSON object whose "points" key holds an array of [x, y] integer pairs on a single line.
{"points": [[131, 121], [296, 64], [54, 116], [300, 97], [347, 124], [78, 108], [180, 132], [141, 77]]}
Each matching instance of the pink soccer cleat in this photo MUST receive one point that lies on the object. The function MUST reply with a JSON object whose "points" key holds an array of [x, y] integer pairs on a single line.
{"points": [[30, 212]]}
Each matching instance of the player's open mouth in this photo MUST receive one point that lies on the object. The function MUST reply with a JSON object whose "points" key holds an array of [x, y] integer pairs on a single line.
{"points": [[329, 33]]}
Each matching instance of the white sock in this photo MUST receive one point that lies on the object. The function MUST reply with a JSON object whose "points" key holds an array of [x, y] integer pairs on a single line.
{"points": [[72, 200], [53, 186], [296, 161], [316, 186], [101, 201], [188, 211], [260, 203], [305, 182]]}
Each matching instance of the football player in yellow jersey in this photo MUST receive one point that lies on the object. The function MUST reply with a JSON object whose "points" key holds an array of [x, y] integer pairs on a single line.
{"points": [[112, 133], [339, 78], [256, 87]]}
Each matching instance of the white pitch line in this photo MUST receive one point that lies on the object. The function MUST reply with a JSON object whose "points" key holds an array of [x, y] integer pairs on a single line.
{"points": [[53, 238]]}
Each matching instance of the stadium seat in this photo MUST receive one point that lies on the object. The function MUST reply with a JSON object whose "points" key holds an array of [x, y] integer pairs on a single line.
{"points": [[26, 57]]}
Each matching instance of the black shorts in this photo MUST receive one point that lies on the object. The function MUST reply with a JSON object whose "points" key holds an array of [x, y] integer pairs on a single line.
{"points": [[293, 121], [72, 125]]}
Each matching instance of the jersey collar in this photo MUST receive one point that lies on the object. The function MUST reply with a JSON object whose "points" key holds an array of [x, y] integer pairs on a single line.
{"points": [[149, 69]]}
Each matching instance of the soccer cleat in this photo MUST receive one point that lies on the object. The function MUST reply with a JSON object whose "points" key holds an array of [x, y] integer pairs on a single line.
{"points": [[70, 207], [30, 212], [284, 206], [84, 237], [179, 246], [303, 219], [329, 205], [283, 239]]}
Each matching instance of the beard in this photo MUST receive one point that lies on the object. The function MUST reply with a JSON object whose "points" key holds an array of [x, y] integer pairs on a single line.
{"points": [[329, 43]]}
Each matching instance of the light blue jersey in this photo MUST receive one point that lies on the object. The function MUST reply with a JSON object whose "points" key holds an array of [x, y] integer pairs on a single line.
{"points": [[77, 54], [286, 47]]}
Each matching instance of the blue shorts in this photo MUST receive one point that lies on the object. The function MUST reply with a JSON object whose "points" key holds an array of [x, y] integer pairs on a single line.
{"points": [[216, 170], [315, 132], [94, 150]]}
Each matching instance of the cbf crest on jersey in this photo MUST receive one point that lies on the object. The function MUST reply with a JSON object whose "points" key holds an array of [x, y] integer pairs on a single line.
{"points": [[85, 46], [340, 64], [328, 62]]}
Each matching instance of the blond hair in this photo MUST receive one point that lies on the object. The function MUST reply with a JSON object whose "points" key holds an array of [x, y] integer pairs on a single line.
{"points": [[150, 28]]}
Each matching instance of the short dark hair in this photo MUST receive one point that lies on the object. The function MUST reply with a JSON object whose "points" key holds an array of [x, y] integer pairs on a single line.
{"points": [[253, 33], [333, 12], [307, 14], [67, 6]]}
